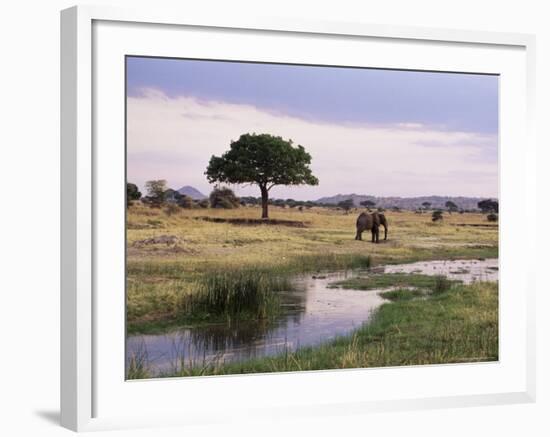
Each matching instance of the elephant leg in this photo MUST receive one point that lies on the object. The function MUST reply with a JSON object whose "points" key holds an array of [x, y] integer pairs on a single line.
{"points": [[385, 232], [358, 236], [377, 234]]}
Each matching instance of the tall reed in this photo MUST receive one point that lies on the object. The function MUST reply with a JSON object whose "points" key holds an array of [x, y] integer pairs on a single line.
{"points": [[238, 292], [442, 284]]}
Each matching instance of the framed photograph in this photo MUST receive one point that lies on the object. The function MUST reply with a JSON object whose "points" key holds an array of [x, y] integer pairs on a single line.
{"points": [[291, 218]]}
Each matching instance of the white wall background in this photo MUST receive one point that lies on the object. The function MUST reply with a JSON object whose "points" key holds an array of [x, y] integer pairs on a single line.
{"points": [[29, 217]]}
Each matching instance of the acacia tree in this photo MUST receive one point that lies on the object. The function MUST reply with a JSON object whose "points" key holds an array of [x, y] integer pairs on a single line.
{"points": [[488, 205], [368, 204], [264, 160], [451, 206], [346, 205]]}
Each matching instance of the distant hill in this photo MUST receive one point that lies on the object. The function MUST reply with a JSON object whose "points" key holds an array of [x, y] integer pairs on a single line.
{"points": [[191, 192], [406, 202]]}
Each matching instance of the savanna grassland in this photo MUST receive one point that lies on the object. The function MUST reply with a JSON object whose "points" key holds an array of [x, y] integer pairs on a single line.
{"points": [[214, 269]]}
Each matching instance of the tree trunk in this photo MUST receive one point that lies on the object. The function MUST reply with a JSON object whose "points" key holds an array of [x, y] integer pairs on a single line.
{"points": [[264, 202]]}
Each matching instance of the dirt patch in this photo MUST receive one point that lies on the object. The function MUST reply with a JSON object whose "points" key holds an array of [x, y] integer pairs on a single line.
{"points": [[254, 222], [168, 240]]}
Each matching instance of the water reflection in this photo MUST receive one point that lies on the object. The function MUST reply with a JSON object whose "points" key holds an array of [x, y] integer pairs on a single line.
{"points": [[465, 270], [313, 314]]}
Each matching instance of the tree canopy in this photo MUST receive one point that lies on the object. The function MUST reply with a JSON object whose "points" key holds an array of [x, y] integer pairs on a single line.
{"points": [[346, 205], [488, 205], [132, 193], [451, 206], [264, 160], [156, 191], [368, 203]]}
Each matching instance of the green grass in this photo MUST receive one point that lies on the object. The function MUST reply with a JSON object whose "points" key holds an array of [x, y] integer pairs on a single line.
{"points": [[170, 269], [439, 285], [454, 326], [402, 294], [439, 253], [442, 284], [385, 280]]}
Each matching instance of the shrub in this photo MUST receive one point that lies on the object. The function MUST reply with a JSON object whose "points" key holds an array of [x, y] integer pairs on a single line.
{"points": [[223, 198], [185, 202], [492, 217], [437, 215], [442, 284], [250, 200], [171, 208], [204, 203]]}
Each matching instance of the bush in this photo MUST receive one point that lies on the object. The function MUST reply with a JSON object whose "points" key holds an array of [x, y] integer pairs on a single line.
{"points": [[204, 203], [437, 215], [224, 198], [185, 202], [171, 208], [442, 284], [151, 202], [250, 200], [492, 217]]}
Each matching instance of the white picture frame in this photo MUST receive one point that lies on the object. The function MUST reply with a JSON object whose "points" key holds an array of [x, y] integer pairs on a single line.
{"points": [[83, 368]]}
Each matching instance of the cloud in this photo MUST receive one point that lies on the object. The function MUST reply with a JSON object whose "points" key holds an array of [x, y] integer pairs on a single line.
{"points": [[174, 137]]}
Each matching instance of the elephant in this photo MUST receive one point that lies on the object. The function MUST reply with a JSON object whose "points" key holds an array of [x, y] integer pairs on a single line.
{"points": [[371, 222]]}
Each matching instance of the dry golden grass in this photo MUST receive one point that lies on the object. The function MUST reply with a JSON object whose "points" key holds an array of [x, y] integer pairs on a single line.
{"points": [[327, 231]]}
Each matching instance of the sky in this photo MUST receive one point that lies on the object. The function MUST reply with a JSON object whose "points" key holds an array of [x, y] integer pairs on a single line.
{"points": [[369, 131]]}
